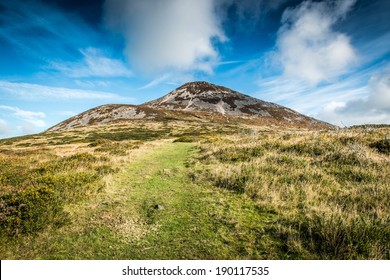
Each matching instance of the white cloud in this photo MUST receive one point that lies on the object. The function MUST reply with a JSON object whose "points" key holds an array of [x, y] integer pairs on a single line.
{"points": [[34, 91], [34, 118], [95, 64], [307, 46], [374, 108], [168, 34]]}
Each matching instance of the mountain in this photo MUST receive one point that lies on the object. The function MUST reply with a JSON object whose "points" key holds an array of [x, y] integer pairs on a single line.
{"points": [[203, 96], [197, 101]]}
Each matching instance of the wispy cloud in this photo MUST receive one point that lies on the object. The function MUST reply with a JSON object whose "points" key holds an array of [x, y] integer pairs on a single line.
{"points": [[94, 64], [43, 32], [309, 48], [377, 48], [228, 62], [246, 12], [34, 91], [170, 78], [92, 84], [157, 81], [34, 118]]}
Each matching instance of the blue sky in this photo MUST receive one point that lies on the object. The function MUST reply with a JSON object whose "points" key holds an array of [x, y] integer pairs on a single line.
{"points": [[327, 59]]}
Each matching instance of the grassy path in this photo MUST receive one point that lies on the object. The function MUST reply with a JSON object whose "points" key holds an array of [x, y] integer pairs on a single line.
{"points": [[152, 210]]}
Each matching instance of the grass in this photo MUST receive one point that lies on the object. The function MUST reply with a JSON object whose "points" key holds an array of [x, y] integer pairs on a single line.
{"points": [[123, 222], [330, 190], [183, 190]]}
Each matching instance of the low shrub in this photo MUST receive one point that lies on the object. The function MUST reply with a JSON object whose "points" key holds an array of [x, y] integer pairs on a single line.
{"points": [[382, 146], [33, 196], [30, 209], [238, 154], [116, 148]]}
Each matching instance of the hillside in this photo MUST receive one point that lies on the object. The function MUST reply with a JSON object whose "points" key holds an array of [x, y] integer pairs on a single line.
{"points": [[186, 189], [197, 101]]}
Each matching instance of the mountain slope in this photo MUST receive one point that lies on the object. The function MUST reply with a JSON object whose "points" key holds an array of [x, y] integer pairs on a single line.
{"points": [[103, 114]]}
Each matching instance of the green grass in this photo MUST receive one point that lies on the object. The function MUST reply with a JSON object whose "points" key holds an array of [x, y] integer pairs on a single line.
{"points": [[142, 134], [197, 222]]}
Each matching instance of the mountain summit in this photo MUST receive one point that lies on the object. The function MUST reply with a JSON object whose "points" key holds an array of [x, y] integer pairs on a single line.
{"points": [[197, 101], [207, 97], [203, 96]]}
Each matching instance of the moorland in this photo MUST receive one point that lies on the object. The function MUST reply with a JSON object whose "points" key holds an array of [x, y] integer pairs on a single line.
{"points": [[196, 190]]}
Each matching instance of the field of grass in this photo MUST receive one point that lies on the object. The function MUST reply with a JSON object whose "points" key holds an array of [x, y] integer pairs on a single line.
{"points": [[188, 190], [330, 191]]}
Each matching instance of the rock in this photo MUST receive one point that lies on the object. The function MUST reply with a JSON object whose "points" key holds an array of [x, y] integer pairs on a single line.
{"points": [[158, 207]]}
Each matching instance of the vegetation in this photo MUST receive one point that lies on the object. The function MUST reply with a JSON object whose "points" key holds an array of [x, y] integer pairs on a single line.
{"points": [[328, 190], [188, 190], [36, 185]]}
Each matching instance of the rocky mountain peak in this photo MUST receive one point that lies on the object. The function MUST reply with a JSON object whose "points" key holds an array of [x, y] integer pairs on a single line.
{"points": [[203, 96], [201, 87]]}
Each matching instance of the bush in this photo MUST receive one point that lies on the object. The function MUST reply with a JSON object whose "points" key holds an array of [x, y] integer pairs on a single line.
{"points": [[30, 210], [239, 154], [8, 172], [382, 146], [116, 148], [32, 198], [71, 186]]}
